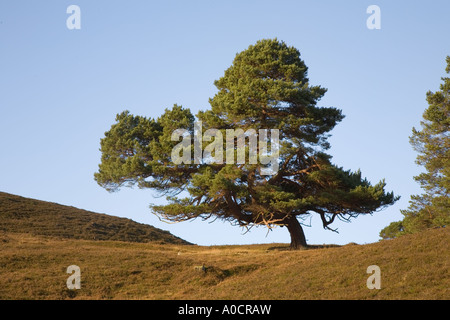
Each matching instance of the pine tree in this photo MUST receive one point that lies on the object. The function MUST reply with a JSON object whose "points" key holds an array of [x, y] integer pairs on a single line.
{"points": [[431, 209], [266, 87]]}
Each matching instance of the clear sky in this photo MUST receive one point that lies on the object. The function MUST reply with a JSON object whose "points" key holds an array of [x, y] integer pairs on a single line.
{"points": [[60, 90]]}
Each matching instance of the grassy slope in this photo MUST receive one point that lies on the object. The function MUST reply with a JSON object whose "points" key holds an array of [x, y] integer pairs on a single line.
{"points": [[412, 267], [24, 215], [39, 240]]}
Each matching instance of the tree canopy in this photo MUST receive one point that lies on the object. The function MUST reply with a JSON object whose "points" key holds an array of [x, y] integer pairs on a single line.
{"points": [[266, 87], [432, 208]]}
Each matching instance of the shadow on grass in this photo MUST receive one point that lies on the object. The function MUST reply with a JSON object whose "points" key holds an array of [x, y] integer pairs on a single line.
{"points": [[309, 247]]}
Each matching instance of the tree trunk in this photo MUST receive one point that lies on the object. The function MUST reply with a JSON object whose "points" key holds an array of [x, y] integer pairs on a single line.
{"points": [[298, 240]]}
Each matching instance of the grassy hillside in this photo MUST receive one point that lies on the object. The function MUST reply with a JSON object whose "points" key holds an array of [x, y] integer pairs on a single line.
{"points": [[35, 217], [39, 240], [412, 267]]}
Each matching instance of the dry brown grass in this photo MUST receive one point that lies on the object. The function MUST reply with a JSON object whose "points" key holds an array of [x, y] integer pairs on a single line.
{"points": [[41, 218], [412, 267]]}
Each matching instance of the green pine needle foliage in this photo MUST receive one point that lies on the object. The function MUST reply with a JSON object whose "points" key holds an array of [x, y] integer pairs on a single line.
{"points": [[432, 208]]}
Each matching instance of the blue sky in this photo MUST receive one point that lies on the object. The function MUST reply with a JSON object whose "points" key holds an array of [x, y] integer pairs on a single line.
{"points": [[60, 90]]}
